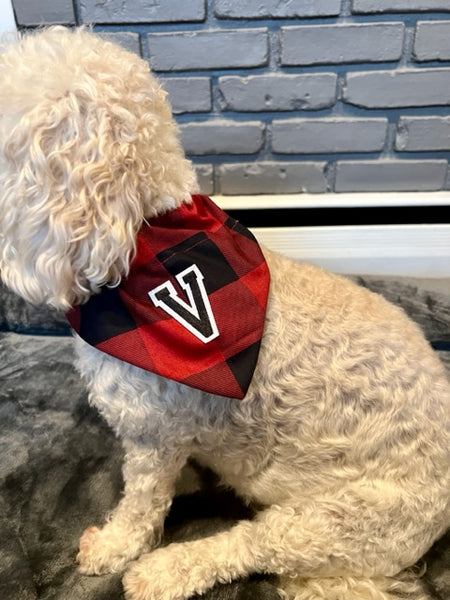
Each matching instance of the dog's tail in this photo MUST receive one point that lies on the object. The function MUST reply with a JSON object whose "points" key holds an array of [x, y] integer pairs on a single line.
{"points": [[407, 585]]}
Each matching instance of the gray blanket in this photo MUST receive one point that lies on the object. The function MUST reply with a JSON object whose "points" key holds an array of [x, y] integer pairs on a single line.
{"points": [[60, 468]]}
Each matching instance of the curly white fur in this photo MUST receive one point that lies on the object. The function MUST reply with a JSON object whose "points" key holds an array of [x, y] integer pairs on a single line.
{"points": [[86, 162], [343, 438]]}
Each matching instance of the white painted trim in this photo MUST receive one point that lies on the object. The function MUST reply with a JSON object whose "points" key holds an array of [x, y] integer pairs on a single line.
{"points": [[401, 250], [7, 21], [334, 200]]}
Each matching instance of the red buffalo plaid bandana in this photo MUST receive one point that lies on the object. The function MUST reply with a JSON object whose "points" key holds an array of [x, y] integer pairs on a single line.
{"points": [[192, 308]]}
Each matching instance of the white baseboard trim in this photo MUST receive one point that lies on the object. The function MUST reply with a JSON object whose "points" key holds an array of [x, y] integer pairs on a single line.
{"points": [[399, 250], [362, 200], [402, 250]]}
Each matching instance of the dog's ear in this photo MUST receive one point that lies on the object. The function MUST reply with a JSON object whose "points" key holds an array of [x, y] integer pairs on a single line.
{"points": [[87, 153]]}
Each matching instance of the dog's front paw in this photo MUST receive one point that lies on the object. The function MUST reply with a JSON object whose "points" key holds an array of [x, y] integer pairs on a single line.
{"points": [[107, 550], [172, 573]]}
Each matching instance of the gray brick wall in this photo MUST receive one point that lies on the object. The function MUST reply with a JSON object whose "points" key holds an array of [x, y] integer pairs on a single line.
{"points": [[287, 97], [415, 134], [141, 11], [326, 135], [432, 41], [339, 43], [33, 12], [388, 6]]}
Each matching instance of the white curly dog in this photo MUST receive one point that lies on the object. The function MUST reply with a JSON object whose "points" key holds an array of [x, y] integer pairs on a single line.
{"points": [[342, 441]]}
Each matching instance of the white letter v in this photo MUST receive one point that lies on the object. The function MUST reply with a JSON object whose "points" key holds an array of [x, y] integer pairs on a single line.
{"points": [[196, 315]]}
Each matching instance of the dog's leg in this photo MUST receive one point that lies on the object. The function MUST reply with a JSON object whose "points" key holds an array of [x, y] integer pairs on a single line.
{"points": [[323, 539], [136, 524]]}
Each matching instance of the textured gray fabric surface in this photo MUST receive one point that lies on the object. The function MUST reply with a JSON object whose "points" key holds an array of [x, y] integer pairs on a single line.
{"points": [[60, 464]]}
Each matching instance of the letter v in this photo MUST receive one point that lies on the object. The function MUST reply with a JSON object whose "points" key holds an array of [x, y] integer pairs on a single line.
{"points": [[195, 315]]}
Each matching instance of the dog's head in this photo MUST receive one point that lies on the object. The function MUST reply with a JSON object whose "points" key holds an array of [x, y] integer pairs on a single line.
{"points": [[88, 150]]}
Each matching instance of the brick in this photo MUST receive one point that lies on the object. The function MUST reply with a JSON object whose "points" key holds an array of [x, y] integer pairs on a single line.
{"points": [[416, 134], [273, 178], [39, 13], [205, 178], [127, 39], [222, 137], [447, 182], [384, 6], [432, 41], [141, 11], [336, 44], [188, 94], [391, 89], [210, 49], [390, 175], [260, 9], [278, 92], [321, 136]]}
